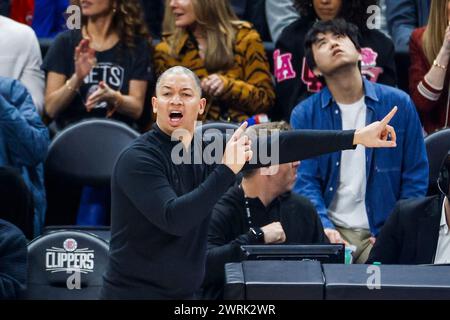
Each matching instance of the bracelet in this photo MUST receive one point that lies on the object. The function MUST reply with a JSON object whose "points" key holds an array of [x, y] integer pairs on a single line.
{"points": [[436, 64]]}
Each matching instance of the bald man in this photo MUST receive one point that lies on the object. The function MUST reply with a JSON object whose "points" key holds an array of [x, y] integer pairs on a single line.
{"points": [[161, 208]]}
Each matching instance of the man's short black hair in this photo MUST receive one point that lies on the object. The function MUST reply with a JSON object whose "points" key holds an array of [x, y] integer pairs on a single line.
{"points": [[336, 26]]}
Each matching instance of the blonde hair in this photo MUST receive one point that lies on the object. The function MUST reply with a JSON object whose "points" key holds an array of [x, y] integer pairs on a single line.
{"points": [[433, 36], [219, 24]]}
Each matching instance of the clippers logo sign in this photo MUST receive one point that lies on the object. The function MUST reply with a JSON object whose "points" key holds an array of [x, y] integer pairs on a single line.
{"points": [[69, 258]]}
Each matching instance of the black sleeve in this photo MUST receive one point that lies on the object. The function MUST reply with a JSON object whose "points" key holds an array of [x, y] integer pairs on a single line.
{"points": [[59, 58], [13, 263], [295, 145], [387, 246], [140, 175], [222, 249], [142, 62]]}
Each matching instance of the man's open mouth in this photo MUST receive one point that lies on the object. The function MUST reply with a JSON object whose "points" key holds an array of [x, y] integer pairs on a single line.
{"points": [[175, 115]]}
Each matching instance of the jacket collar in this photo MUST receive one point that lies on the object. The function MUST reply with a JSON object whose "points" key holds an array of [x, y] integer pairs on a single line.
{"points": [[369, 92]]}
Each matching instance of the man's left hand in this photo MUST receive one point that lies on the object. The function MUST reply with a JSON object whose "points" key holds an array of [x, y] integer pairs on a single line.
{"points": [[376, 134]]}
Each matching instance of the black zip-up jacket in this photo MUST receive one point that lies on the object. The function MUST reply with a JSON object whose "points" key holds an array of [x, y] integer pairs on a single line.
{"points": [[160, 212], [294, 79], [229, 230]]}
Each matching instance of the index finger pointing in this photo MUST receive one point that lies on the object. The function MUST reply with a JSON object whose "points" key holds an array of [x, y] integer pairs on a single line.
{"points": [[389, 116], [237, 134]]}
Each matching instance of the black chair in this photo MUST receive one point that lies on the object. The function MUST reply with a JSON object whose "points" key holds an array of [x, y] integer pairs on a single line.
{"points": [[87, 151], [103, 232], [83, 154], [402, 64], [437, 145], [223, 127], [66, 265], [213, 130]]}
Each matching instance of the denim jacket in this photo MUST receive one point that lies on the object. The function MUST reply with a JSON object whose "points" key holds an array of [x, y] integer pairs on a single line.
{"points": [[24, 141], [392, 173]]}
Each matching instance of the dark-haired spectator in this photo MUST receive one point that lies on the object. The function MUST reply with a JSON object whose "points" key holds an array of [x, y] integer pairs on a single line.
{"points": [[403, 16], [354, 192], [24, 141], [13, 261], [225, 53], [260, 210], [48, 17], [295, 80], [101, 70], [429, 70], [20, 58]]}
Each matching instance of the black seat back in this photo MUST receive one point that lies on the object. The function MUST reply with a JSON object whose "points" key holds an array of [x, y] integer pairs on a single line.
{"points": [[86, 151], [438, 146], [66, 265]]}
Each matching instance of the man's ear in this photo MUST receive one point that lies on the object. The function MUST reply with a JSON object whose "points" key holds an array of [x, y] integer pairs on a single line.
{"points": [[202, 106], [155, 104]]}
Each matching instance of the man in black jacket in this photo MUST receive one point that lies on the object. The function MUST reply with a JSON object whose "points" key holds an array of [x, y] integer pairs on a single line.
{"points": [[260, 210], [417, 232], [160, 207]]}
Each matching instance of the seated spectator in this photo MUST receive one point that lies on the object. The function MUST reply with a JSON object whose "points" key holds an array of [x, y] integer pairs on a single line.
{"points": [[225, 53], [429, 74], [48, 17], [417, 231], [295, 80], [20, 58], [17, 205], [23, 143], [280, 14], [260, 210], [101, 70], [13, 261], [355, 192], [403, 16]]}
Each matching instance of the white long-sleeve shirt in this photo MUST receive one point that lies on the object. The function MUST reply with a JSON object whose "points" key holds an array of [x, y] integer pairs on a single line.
{"points": [[21, 59]]}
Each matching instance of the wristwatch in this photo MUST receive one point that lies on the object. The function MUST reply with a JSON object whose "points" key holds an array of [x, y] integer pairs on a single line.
{"points": [[258, 233]]}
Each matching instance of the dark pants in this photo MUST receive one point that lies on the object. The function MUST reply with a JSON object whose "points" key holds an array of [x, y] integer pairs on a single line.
{"points": [[16, 201]]}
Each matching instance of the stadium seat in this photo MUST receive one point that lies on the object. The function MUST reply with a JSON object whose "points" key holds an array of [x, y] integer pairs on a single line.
{"points": [[81, 155], [66, 265], [103, 232], [437, 145], [87, 151]]}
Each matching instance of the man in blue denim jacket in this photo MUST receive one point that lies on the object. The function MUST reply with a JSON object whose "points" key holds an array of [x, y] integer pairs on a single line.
{"points": [[24, 141], [354, 191]]}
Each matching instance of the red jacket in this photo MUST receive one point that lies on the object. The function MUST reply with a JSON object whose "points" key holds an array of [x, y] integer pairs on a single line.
{"points": [[430, 102], [22, 11]]}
